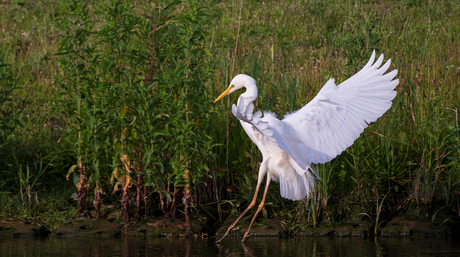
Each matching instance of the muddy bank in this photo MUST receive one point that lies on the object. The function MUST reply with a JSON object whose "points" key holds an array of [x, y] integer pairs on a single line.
{"points": [[177, 228], [19, 229]]}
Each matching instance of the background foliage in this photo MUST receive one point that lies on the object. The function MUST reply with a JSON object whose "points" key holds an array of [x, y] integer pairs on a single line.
{"points": [[118, 98]]}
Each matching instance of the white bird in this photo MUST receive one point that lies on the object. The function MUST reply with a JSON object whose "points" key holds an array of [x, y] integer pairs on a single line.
{"points": [[316, 133]]}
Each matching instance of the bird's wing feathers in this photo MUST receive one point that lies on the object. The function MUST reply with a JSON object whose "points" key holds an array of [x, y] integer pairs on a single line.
{"points": [[336, 117], [333, 120], [252, 118]]}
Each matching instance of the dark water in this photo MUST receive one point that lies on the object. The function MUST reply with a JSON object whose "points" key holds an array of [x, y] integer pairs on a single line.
{"points": [[310, 246]]}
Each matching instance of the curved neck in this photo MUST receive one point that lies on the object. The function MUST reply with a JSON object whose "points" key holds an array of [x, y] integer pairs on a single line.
{"points": [[250, 95]]}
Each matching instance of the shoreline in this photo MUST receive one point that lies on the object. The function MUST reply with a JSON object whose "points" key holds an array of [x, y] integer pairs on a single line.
{"points": [[110, 228]]}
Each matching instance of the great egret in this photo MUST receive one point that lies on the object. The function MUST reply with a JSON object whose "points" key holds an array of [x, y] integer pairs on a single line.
{"points": [[316, 133]]}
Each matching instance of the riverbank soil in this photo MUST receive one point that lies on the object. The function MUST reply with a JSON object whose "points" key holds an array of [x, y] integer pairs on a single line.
{"points": [[165, 228], [89, 228], [85, 227], [268, 227], [20, 229]]}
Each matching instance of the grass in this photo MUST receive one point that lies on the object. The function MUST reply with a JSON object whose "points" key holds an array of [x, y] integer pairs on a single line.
{"points": [[50, 209], [292, 48], [304, 43]]}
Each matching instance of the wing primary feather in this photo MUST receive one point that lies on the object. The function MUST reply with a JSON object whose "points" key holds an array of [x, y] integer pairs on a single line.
{"points": [[370, 62], [250, 108], [257, 116], [336, 117], [240, 107], [378, 62]]}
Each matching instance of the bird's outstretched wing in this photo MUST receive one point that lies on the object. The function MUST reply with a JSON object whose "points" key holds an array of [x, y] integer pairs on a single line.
{"points": [[336, 117]]}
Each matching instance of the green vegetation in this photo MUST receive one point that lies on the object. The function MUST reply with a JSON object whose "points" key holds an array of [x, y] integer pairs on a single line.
{"points": [[117, 97]]}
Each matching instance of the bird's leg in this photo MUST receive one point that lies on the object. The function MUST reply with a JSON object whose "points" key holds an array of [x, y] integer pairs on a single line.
{"points": [[253, 202], [261, 205]]}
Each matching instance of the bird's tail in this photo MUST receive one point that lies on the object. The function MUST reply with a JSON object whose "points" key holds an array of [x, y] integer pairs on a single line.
{"points": [[300, 187]]}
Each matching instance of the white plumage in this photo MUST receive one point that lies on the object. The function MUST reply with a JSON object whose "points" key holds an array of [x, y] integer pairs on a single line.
{"points": [[316, 133]]}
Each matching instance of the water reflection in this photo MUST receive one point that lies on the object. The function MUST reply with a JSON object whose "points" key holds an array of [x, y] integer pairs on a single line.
{"points": [[311, 246]]}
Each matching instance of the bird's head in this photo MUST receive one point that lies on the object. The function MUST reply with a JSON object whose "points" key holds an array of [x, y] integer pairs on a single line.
{"points": [[238, 82]]}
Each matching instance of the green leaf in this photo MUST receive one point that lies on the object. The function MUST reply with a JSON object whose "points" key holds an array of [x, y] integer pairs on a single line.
{"points": [[91, 122], [166, 194], [75, 178]]}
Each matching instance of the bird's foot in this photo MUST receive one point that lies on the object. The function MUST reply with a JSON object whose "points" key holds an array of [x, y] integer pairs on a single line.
{"points": [[218, 241], [246, 235]]}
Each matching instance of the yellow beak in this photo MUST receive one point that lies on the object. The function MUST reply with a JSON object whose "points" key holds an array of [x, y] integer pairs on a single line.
{"points": [[224, 93]]}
